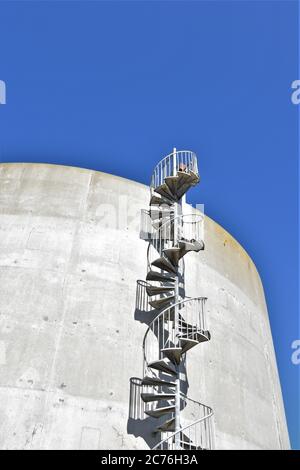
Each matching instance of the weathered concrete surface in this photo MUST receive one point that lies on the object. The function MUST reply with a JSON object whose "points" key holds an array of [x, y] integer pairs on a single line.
{"points": [[70, 256]]}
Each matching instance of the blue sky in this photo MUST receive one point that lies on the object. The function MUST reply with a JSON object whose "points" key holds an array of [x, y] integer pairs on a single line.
{"points": [[114, 86]]}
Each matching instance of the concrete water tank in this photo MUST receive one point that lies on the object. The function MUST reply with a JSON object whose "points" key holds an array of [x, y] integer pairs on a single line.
{"points": [[70, 338]]}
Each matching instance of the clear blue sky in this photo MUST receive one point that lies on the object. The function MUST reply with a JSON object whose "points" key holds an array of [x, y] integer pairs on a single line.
{"points": [[115, 85]]}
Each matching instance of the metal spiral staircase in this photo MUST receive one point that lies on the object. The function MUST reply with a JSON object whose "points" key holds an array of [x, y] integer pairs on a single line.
{"points": [[180, 322]]}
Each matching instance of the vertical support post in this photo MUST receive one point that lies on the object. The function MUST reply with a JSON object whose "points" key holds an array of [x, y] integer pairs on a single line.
{"points": [[176, 314], [174, 162]]}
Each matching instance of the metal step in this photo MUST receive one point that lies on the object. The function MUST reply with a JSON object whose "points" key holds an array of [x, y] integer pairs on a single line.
{"points": [[155, 290], [187, 344], [164, 191], [147, 397], [165, 264], [184, 175], [199, 336], [155, 381], [195, 178], [162, 302], [172, 183], [156, 276], [167, 426], [158, 412], [178, 185], [159, 201], [164, 366], [186, 246], [173, 254], [173, 354], [188, 178]]}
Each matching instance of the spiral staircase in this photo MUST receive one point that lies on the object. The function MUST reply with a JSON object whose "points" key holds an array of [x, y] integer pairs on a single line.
{"points": [[179, 323]]}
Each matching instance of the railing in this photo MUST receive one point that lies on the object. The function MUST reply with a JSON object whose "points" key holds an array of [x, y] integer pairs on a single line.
{"points": [[196, 435], [160, 233], [183, 160], [136, 404], [162, 334], [142, 299], [189, 229], [199, 433]]}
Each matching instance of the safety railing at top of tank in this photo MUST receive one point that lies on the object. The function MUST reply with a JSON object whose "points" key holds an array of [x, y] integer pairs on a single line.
{"points": [[162, 334], [181, 160]]}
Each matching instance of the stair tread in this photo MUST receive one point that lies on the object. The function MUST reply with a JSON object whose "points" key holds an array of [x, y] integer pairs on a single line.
{"points": [[154, 290], [173, 354], [173, 254], [164, 366], [161, 302], [165, 264], [178, 185], [187, 246], [164, 191], [155, 381], [158, 201], [157, 396], [158, 412], [156, 276], [190, 340], [167, 426], [187, 344], [188, 176], [175, 186], [172, 183], [195, 176]]}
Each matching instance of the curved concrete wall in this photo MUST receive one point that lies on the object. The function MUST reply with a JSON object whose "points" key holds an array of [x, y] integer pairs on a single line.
{"points": [[70, 255]]}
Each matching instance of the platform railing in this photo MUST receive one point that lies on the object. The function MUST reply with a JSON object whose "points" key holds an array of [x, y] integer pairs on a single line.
{"points": [[181, 160], [197, 435], [157, 230]]}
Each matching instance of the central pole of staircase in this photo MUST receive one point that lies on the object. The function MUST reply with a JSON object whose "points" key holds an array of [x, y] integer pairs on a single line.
{"points": [[176, 314]]}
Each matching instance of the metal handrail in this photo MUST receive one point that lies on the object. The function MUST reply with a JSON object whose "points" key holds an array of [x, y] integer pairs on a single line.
{"points": [[141, 297], [189, 227], [170, 164], [193, 330], [164, 236], [136, 404], [205, 434], [190, 426]]}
